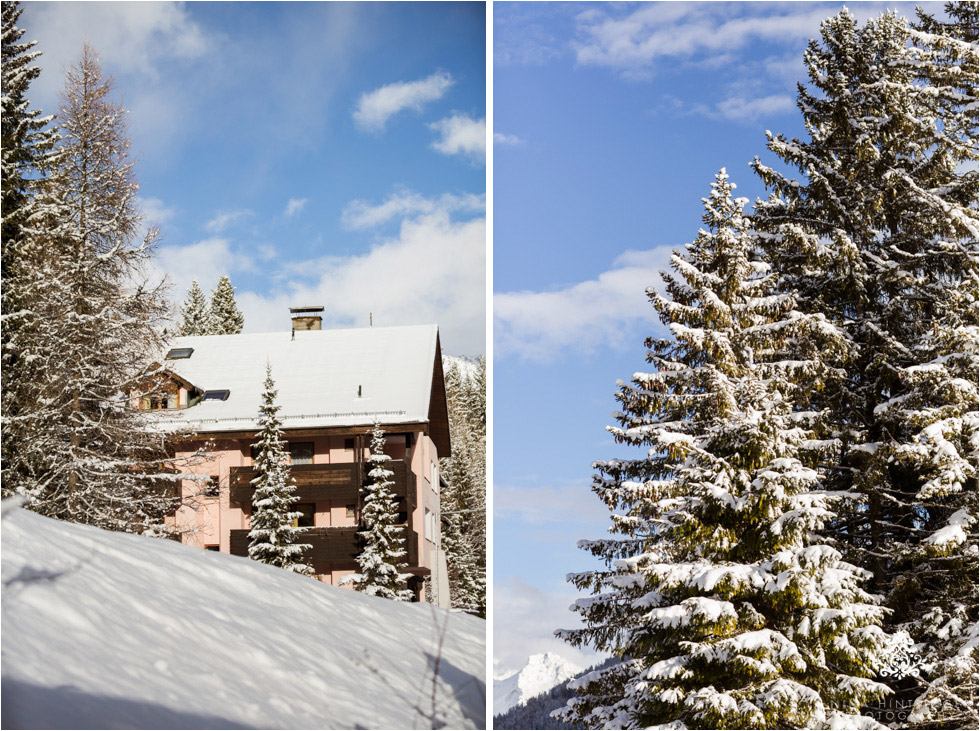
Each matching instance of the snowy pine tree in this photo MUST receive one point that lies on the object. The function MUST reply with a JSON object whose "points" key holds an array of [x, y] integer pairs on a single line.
{"points": [[881, 238], [94, 324], [273, 535], [27, 140], [463, 501], [225, 317], [195, 313], [725, 606], [382, 553], [26, 152]]}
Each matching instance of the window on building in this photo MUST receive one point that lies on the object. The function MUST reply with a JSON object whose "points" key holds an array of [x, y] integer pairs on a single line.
{"points": [[301, 452], [351, 511], [434, 476], [429, 525], [307, 519], [212, 548], [179, 353], [220, 395], [156, 403], [349, 444]]}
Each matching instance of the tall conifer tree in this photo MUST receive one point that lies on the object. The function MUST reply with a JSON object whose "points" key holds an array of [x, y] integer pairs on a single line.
{"points": [[195, 313], [881, 238], [225, 317], [725, 607], [463, 502], [273, 536], [382, 555], [26, 151], [94, 325]]}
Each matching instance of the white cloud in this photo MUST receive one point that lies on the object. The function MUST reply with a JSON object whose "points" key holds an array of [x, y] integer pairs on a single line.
{"points": [[155, 211], [294, 206], [134, 36], [734, 108], [138, 43], [536, 505], [403, 203], [499, 138], [224, 219], [632, 43], [583, 316], [738, 108], [525, 618], [461, 135], [204, 260], [433, 271], [376, 107]]}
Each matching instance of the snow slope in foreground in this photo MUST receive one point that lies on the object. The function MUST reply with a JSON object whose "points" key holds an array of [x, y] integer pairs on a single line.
{"points": [[108, 630]]}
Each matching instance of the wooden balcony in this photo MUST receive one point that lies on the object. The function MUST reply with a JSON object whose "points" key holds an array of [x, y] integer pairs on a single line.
{"points": [[340, 481], [336, 544]]}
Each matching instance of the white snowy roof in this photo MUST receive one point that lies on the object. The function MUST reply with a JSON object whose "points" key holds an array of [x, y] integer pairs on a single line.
{"points": [[318, 374]]}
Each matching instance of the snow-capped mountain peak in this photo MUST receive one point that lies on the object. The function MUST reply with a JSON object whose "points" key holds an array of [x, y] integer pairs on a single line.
{"points": [[541, 674]]}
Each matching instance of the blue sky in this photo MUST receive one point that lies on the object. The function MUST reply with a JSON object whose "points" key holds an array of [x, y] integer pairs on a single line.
{"points": [[610, 122], [316, 153]]}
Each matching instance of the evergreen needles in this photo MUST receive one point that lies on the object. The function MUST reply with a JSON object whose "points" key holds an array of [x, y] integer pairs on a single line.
{"points": [[807, 503], [273, 533], [382, 556]]}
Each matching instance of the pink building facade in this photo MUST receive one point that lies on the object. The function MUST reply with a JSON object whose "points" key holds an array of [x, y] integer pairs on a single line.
{"points": [[386, 376]]}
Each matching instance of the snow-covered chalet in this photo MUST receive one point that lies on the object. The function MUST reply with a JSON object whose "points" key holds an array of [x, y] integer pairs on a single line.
{"points": [[333, 386]]}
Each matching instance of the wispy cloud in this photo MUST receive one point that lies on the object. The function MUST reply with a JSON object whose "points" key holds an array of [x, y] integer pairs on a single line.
{"points": [[499, 138], [376, 107], [135, 35], [632, 42], [580, 317], [525, 618], [734, 108], [155, 211], [405, 203], [224, 219], [294, 206], [572, 504], [461, 135]]}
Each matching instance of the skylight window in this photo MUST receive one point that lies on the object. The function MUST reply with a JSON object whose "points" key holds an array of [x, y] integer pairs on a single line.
{"points": [[216, 395], [179, 353]]}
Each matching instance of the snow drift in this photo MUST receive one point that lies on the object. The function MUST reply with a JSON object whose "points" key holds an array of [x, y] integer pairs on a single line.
{"points": [[109, 630]]}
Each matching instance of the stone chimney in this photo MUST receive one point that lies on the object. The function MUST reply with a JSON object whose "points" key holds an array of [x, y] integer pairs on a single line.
{"points": [[306, 318]]}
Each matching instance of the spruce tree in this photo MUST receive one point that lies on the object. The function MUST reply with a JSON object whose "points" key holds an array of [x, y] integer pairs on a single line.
{"points": [[940, 402], [382, 554], [94, 324], [272, 536], [26, 154], [225, 317], [195, 313], [881, 238], [726, 608], [463, 501]]}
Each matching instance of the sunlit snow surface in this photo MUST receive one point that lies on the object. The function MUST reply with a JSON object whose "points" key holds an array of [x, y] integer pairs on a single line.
{"points": [[107, 630]]}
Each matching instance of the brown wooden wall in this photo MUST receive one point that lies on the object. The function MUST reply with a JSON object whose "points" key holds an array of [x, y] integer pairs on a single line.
{"points": [[324, 481], [337, 544]]}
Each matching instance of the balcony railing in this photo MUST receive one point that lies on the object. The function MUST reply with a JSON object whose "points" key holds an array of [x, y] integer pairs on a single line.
{"points": [[340, 481], [336, 544]]}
